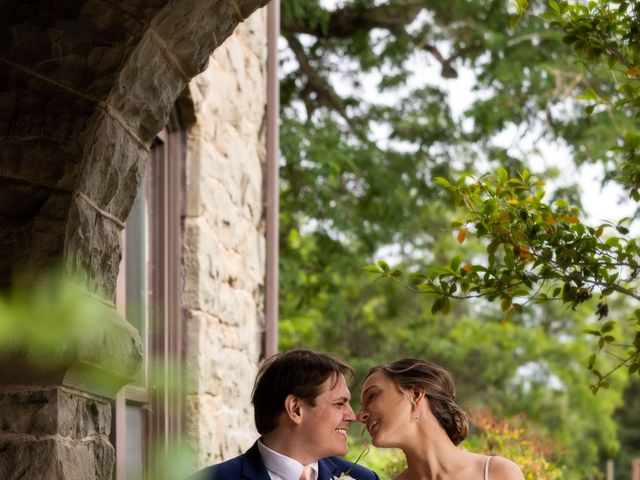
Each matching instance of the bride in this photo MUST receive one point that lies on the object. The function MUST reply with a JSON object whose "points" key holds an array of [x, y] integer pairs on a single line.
{"points": [[409, 404]]}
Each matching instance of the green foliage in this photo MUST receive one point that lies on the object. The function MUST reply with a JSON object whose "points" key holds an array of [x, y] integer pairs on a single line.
{"points": [[535, 252], [605, 37], [512, 438], [48, 320], [45, 320], [365, 133], [387, 463], [628, 418]]}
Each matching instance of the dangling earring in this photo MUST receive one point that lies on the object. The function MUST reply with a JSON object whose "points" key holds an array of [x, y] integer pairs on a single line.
{"points": [[414, 405], [414, 415]]}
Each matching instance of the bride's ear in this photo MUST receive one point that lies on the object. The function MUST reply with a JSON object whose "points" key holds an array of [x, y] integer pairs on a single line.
{"points": [[292, 408], [417, 395]]}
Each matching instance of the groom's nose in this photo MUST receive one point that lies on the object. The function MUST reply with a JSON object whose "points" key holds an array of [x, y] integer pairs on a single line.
{"points": [[349, 414]]}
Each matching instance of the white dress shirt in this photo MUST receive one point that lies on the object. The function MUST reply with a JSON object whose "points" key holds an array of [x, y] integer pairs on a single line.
{"points": [[281, 467]]}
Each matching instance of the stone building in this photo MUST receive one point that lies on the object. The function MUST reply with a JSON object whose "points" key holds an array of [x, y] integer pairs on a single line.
{"points": [[134, 151]]}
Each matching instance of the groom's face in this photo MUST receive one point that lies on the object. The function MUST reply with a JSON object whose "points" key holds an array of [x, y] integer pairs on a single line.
{"points": [[325, 424]]}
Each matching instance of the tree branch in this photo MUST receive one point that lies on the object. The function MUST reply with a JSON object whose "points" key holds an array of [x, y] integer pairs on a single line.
{"points": [[315, 83], [344, 22], [350, 19]]}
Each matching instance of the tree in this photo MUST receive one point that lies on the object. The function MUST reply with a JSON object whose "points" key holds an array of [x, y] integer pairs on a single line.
{"points": [[538, 251], [358, 182], [628, 417]]}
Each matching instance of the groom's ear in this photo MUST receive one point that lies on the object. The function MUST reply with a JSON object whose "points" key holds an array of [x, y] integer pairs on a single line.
{"points": [[292, 408]]}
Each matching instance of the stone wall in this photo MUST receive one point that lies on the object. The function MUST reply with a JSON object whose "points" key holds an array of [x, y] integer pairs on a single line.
{"points": [[224, 243], [84, 88], [54, 433]]}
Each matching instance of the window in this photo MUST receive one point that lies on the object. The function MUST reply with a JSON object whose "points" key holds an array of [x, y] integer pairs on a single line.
{"points": [[147, 415]]}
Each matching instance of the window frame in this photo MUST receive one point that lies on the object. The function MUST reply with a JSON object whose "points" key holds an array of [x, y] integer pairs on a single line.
{"points": [[163, 346]]}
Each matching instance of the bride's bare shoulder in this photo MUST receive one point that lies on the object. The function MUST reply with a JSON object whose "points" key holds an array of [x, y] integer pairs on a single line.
{"points": [[502, 468]]}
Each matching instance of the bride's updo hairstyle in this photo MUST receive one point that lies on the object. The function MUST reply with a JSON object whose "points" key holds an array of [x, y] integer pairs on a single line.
{"points": [[438, 386]]}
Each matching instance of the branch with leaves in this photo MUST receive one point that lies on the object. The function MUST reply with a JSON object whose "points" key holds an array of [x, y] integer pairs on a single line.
{"points": [[535, 252]]}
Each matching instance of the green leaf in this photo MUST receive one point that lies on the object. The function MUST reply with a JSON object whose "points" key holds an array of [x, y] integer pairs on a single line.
{"points": [[446, 305], [455, 263], [437, 305], [384, 266], [502, 173], [608, 326], [372, 269], [442, 182], [589, 94]]}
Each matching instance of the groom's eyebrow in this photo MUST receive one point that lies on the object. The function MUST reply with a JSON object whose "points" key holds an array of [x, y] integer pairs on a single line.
{"points": [[342, 399]]}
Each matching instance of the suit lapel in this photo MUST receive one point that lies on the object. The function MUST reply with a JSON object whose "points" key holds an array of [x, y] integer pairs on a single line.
{"points": [[252, 465], [327, 469]]}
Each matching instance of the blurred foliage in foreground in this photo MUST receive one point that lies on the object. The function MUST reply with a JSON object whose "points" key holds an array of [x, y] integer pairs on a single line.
{"points": [[47, 319]]}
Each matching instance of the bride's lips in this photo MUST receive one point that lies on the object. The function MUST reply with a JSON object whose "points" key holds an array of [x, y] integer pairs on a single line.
{"points": [[372, 425]]}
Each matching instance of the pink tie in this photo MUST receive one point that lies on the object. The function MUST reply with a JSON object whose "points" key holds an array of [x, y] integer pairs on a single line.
{"points": [[307, 473]]}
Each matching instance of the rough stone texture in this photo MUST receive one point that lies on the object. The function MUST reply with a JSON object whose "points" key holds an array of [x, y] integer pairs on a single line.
{"points": [[224, 244], [84, 87], [54, 433], [56, 459]]}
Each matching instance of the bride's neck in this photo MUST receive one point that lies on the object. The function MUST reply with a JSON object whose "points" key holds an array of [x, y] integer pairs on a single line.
{"points": [[431, 454]]}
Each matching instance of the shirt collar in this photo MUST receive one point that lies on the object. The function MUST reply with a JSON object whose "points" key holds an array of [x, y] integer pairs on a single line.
{"points": [[282, 465]]}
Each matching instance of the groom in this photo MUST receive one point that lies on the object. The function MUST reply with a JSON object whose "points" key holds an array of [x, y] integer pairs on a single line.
{"points": [[302, 412]]}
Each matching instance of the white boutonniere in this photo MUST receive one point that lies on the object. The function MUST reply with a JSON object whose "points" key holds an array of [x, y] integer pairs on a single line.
{"points": [[343, 476]]}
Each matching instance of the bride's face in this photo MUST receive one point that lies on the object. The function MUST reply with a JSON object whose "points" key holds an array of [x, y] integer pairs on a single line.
{"points": [[385, 410]]}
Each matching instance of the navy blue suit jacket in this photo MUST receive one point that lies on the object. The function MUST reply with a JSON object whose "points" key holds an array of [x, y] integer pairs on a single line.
{"points": [[249, 466]]}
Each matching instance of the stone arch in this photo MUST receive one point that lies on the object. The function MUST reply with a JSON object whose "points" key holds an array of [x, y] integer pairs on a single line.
{"points": [[84, 87]]}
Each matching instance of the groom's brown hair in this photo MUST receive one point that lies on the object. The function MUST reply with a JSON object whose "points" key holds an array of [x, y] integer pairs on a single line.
{"points": [[298, 372]]}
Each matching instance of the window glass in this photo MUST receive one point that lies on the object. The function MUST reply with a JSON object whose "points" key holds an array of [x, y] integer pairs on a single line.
{"points": [[136, 267], [135, 442]]}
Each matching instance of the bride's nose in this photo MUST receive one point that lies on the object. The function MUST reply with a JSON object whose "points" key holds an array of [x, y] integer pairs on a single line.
{"points": [[363, 415]]}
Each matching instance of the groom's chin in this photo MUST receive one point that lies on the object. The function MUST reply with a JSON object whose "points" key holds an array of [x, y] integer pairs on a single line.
{"points": [[342, 450]]}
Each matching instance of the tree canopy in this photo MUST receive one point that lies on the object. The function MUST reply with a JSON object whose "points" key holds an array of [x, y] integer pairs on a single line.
{"points": [[370, 121], [541, 251]]}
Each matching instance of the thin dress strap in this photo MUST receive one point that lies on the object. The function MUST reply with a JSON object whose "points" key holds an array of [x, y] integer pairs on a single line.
{"points": [[486, 468]]}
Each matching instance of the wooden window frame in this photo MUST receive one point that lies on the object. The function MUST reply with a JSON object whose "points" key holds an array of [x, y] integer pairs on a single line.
{"points": [[164, 345]]}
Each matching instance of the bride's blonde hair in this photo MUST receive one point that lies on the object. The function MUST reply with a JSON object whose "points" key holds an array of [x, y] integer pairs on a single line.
{"points": [[439, 388]]}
